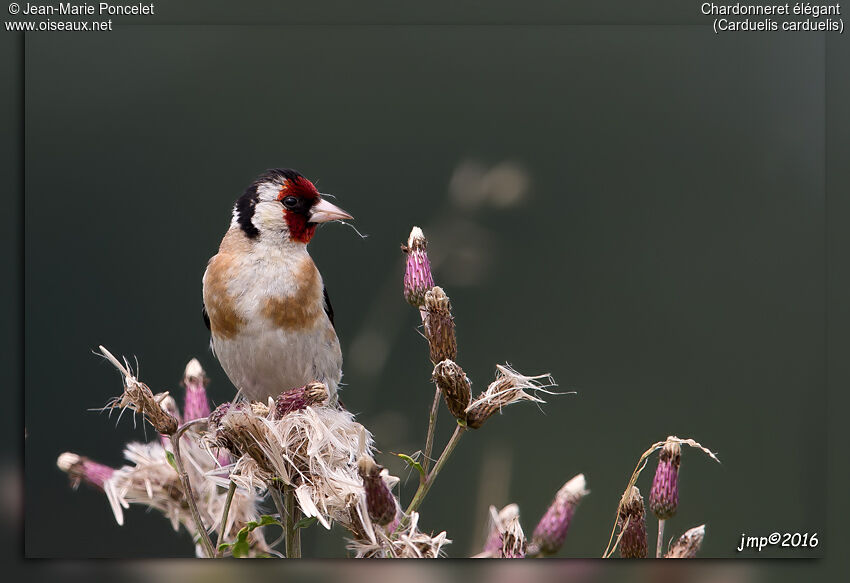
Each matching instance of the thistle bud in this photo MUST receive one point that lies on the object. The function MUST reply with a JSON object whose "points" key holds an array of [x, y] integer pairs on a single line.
{"points": [[169, 406], [552, 529], [513, 540], [509, 387], [196, 404], [439, 326], [498, 523], [82, 469], [299, 398], [688, 544], [664, 496], [380, 502], [632, 523], [454, 385], [417, 274]]}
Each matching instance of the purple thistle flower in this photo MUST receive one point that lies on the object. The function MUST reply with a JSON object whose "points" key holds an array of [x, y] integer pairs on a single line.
{"points": [[632, 522], [551, 531], [196, 404], [380, 502], [417, 274], [299, 398], [82, 469], [664, 496]]}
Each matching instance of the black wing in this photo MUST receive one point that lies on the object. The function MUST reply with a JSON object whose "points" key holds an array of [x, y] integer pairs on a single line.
{"points": [[329, 309], [207, 316]]}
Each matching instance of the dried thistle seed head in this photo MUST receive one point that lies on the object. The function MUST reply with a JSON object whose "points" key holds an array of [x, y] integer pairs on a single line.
{"points": [[509, 387], [513, 540], [417, 273], [688, 544], [215, 417], [551, 531], [169, 405], [632, 523], [241, 430], [82, 469], [260, 409], [142, 400], [236, 427], [397, 541], [309, 449], [196, 404], [664, 496], [300, 397], [454, 385], [138, 397], [498, 524], [439, 326], [413, 544], [380, 502]]}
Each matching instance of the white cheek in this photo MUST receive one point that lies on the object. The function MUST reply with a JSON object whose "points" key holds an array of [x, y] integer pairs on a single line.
{"points": [[269, 215]]}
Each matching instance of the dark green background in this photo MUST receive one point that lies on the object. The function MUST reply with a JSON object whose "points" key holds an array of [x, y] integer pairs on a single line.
{"points": [[668, 262]]}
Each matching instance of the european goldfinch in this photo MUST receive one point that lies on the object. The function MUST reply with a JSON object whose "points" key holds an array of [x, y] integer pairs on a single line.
{"points": [[265, 304]]}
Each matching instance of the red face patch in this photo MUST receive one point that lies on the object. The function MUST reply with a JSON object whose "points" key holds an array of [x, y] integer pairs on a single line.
{"points": [[297, 217]]}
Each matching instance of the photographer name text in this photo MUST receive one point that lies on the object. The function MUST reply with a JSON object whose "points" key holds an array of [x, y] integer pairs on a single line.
{"points": [[100, 8]]}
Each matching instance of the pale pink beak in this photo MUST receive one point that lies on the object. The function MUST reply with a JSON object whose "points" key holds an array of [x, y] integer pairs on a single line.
{"points": [[323, 212]]}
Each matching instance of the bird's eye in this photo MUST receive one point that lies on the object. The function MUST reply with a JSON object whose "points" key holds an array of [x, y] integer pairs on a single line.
{"points": [[290, 202]]}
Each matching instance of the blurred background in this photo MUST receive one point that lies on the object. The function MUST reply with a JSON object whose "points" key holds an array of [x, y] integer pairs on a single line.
{"points": [[637, 210]]}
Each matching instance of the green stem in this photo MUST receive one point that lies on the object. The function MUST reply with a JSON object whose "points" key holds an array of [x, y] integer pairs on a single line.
{"points": [[203, 535], [293, 535], [224, 513], [425, 485], [287, 511], [429, 440], [659, 544]]}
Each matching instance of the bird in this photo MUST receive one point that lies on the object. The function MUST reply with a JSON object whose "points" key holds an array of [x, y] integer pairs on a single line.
{"points": [[265, 304]]}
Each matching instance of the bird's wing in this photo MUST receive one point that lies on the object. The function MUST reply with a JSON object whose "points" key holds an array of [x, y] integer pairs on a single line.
{"points": [[329, 309], [207, 316]]}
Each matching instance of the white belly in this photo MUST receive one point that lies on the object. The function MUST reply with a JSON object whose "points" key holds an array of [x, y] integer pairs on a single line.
{"points": [[263, 361]]}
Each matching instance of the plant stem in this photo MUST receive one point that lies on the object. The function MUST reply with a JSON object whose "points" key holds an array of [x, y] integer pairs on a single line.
{"points": [[278, 503], [190, 496], [659, 544], [429, 481], [293, 535], [189, 424], [429, 441], [223, 525], [286, 509]]}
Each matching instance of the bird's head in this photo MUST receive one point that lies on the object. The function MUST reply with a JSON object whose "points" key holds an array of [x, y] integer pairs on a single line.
{"points": [[281, 203]]}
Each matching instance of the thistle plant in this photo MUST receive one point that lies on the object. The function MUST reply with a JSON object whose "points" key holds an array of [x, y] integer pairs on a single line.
{"points": [[664, 496], [632, 524], [687, 545], [417, 275], [380, 503], [209, 470], [551, 531], [499, 520], [631, 514]]}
